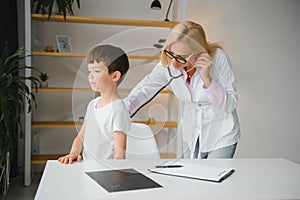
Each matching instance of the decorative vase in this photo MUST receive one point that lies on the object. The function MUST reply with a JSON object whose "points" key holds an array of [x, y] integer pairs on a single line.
{"points": [[150, 120], [44, 84]]}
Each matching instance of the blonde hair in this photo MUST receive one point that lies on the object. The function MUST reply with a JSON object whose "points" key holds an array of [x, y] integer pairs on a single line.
{"points": [[191, 34]]}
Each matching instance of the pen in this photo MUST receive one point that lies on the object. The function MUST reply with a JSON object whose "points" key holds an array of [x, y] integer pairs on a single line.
{"points": [[168, 166]]}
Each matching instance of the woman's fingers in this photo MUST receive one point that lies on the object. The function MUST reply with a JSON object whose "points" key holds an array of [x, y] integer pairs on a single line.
{"points": [[204, 60]]}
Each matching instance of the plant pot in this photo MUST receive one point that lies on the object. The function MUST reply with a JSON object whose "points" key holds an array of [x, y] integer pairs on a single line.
{"points": [[44, 84]]}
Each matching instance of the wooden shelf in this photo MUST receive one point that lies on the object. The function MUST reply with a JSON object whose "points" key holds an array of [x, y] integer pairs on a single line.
{"points": [[167, 155], [71, 124], [82, 55], [109, 21], [160, 124], [43, 53], [55, 124], [59, 89], [42, 158]]}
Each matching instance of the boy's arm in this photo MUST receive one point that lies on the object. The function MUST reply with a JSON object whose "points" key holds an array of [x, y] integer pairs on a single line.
{"points": [[75, 153], [119, 145]]}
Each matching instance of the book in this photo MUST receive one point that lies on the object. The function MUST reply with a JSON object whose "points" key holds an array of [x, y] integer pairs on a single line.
{"points": [[122, 180], [193, 171]]}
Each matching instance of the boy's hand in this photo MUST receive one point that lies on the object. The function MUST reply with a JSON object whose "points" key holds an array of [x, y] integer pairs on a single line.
{"points": [[68, 159]]}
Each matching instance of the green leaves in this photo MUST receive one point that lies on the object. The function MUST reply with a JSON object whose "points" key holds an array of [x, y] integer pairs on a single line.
{"points": [[44, 76], [46, 6], [13, 95], [5, 80]]}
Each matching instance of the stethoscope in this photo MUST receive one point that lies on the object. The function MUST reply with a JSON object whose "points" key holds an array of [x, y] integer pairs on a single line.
{"points": [[171, 79]]}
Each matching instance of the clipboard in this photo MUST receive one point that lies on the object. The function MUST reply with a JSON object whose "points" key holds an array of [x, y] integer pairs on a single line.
{"points": [[194, 171], [122, 180]]}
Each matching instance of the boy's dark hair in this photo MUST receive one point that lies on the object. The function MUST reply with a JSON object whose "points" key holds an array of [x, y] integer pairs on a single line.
{"points": [[113, 57]]}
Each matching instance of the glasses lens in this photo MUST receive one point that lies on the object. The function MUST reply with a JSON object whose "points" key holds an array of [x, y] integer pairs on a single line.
{"points": [[169, 54], [179, 59]]}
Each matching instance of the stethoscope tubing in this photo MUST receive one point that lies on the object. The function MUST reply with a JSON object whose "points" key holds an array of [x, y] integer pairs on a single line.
{"points": [[172, 78]]}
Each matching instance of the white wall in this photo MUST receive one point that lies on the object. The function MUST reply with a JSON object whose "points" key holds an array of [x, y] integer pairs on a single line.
{"points": [[262, 40], [262, 37]]}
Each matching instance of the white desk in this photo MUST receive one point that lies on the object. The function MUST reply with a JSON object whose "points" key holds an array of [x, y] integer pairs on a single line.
{"points": [[253, 179]]}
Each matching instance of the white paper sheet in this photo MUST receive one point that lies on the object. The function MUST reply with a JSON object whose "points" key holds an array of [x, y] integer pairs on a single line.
{"points": [[195, 171]]}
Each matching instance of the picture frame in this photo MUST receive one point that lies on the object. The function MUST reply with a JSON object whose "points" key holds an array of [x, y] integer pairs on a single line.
{"points": [[63, 43]]}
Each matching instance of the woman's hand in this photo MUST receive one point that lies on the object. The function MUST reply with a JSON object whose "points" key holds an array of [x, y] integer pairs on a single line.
{"points": [[68, 159], [204, 63]]}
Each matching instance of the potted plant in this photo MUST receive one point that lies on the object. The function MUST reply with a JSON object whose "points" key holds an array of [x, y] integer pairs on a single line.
{"points": [[13, 94], [44, 77], [64, 7]]}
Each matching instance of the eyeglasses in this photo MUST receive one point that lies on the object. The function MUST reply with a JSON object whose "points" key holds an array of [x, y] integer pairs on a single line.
{"points": [[171, 55]]}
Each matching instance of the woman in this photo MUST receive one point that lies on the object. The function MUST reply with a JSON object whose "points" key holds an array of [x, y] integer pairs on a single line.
{"points": [[201, 77]]}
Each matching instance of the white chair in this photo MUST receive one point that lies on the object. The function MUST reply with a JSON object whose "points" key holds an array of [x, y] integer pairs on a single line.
{"points": [[141, 143]]}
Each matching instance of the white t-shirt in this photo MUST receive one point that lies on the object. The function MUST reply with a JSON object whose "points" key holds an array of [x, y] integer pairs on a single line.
{"points": [[98, 142]]}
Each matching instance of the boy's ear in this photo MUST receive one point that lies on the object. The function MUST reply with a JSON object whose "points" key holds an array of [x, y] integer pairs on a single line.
{"points": [[116, 76]]}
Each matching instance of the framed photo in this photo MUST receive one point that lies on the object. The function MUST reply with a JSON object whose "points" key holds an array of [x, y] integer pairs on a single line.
{"points": [[63, 43]]}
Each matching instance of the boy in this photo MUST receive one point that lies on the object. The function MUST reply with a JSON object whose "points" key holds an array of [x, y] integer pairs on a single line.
{"points": [[102, 135]]}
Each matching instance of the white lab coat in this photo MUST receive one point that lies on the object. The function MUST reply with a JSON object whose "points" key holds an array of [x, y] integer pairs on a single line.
{"points": [[209, 114]]}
